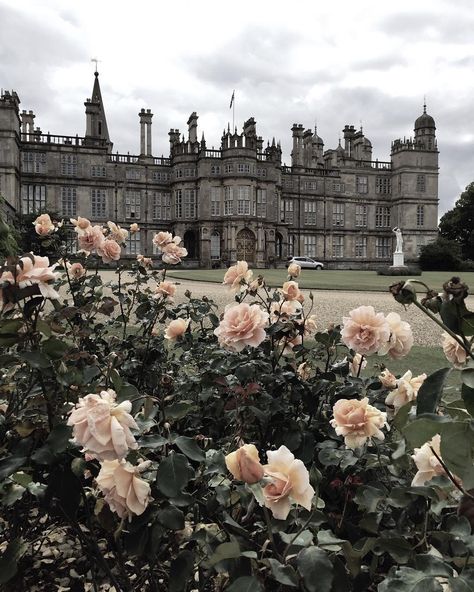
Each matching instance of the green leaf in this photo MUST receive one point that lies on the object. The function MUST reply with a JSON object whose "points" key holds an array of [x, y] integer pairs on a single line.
{"points": [[456, 450], [173, 474], [171, 517], [179, 409], [284, 574], [368, 497], [467, 377], [245, 584], [36, 359], [58, 439], [190, 448], [316, 569], [467, 394], [398, 547], [401, 417], [420, 431], [430, 391], [224, 551], [10, 464], [181, 570], [9, 560], [55, 348]]}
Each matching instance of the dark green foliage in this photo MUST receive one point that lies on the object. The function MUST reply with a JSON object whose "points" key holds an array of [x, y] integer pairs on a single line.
{"points": [[440, 255], [458, 224]]}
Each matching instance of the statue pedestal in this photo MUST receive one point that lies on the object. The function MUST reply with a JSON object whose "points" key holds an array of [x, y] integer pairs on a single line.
{"points": [[398, 259]]}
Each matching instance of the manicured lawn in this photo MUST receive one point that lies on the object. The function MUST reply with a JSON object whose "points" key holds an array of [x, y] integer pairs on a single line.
{"points": [[329, 279]]}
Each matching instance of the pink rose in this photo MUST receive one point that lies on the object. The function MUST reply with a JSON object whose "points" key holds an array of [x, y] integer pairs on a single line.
{"points": [[91, 238], [294, 270], [291, 291], [102, 427], [244, 464], [36, 270], [289, 483], [144, 261], [44, 225], [134, 228], [426, 462], [242, 325], [284, 310], [365, 331], [454, 352], [401, 337], [117, 233], [80, 225], [166, 289], [406, 390], [162, 238], [109, 250], [357, 421], [124, 491], [176, 328], [172, 253], [76, 270], [238, 276], [388, 380]]}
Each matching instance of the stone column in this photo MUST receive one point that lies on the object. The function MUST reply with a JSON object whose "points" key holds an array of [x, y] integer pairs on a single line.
{"points": [[142, 132], [149, 115]]}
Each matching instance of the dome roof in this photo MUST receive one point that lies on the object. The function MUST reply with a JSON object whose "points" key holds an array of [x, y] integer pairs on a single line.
{"points": [[425, 121]]}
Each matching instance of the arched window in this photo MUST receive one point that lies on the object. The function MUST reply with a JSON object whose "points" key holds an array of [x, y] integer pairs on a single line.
{"points": [[215, 246], [278, 245]]}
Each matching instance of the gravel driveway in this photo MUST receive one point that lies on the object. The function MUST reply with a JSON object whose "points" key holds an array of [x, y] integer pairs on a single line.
{"points": [[329, 306]]}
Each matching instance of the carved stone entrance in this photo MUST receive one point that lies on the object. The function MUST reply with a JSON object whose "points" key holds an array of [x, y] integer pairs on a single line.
{"points": [[245, 243]]}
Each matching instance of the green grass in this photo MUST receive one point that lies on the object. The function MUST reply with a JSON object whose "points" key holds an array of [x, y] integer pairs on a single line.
{"points": [[328, 279]]}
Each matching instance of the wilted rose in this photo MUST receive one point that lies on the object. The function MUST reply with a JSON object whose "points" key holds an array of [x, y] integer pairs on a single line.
{"points": [[242, 325], [365, 331], [357, 364], [238, 276], [289, 483], [304, 371], [176, 328], [244, 464], [401, 337], [358, 421], [102, 427], [407, 388], [454, 352], [144, 261], [117, 233], [80, 225], [125, 492], [109, 250], [166, 289], [294, 270]]}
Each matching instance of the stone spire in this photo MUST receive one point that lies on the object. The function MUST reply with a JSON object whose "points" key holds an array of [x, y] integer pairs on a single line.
{"points": [[96, 122]]}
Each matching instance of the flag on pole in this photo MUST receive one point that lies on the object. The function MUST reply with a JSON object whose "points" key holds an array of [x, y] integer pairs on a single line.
{"points": [[232, 99]]}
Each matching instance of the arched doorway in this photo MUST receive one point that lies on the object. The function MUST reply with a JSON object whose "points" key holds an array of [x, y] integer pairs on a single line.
{"points": [[191, 244], [245, 243]]}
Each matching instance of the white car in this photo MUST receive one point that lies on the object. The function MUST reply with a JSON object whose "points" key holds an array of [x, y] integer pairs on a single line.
{"points": [[306, 262]]}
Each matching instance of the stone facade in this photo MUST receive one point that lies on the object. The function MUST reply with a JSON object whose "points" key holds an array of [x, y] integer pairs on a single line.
{"points": [[237, 202]]}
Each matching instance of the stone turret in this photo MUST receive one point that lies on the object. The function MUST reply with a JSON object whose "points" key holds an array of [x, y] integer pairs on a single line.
{"points": [[97, 133]]}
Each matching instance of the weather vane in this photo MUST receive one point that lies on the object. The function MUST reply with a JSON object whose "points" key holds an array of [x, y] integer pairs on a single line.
{"points": [[96, 62]]}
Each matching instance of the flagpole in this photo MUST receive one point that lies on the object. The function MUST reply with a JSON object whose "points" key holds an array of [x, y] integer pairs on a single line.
{"points": [[233, 113]]}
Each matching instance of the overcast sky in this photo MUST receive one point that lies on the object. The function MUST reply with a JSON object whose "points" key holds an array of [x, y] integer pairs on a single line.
{"points": [[335, 63]]}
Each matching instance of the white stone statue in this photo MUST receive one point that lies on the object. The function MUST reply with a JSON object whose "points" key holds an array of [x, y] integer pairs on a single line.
{"points": [[398, 234]]}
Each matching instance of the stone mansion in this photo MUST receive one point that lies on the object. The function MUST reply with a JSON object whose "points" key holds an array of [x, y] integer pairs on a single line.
{"points": [[238, 202]]}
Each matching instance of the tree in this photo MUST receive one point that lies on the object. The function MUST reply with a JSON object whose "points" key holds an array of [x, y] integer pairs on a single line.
{"points": [[440, 255], [8, 238], [458, 224]]}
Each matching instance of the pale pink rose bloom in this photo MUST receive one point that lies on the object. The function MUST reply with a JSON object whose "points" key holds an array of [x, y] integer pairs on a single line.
{"points": [[102, 427], [109, 250], [426, 462], [284, 310], [238, 276], [310, 325], [176, 328], [454, 352], [358, 421], [144, 261], [289, 483], [37, 271], [242, 324], [290, 291], [354, 366], [91, 238], [166, 289], [244, 464], [116, 232], [81, 224], [365, 331], [388, 380], [304, 371], [162, 238], [401, 337], [172, 253], [134, 228], [406, 390], [44, 225], [77, 270], [125, 492], [294, 270]]}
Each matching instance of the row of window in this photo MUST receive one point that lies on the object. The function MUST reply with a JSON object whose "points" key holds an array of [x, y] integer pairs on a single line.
{"points": [[383, 246], [383, 185]]}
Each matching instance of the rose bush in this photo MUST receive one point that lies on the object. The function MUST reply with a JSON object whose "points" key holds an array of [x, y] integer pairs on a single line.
{"points": [[149, 445]]}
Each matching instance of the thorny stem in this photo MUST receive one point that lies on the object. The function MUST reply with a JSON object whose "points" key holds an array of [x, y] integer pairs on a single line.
{"points": [[287, 548]]}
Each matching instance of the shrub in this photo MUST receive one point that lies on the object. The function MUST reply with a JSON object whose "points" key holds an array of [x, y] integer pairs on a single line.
{"points": [[179, 450], [408, 270], [440, 255]]}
